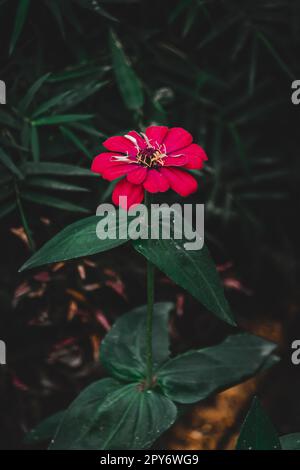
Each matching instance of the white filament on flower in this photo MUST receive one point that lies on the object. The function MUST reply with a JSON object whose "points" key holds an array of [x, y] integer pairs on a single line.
{"points": [[133, 140], [146, 139], [176, 156], [121, 158]]}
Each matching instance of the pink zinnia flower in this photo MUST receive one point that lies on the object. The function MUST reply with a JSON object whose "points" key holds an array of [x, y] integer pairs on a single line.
{"points": [[153, 161]]}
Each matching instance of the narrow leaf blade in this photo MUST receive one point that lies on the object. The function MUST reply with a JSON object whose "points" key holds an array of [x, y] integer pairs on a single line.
{"points": [[7, 161], [128, 83], [21, 16]]}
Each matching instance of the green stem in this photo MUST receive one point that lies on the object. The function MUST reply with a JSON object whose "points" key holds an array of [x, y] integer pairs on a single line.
{"points": [[150, 303], [24, 220]]}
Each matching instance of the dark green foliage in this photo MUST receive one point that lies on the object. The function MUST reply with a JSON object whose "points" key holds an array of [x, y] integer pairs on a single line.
{"points": [[258, 433], [222, 70], [78, 71], [121, 413], [193, 270], [45, 430]]}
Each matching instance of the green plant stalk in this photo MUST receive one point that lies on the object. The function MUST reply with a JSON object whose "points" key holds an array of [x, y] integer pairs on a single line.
{"points": [[24, 220], [150, 303]]}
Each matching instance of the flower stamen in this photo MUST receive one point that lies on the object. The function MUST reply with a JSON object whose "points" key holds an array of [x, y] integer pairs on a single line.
{"points": [[150, 157]]}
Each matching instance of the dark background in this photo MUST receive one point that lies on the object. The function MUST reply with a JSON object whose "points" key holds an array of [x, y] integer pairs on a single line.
{"points": [[221, 69]]}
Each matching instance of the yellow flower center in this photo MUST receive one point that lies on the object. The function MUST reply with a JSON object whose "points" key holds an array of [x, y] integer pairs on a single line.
{"points": [[150, 157]]}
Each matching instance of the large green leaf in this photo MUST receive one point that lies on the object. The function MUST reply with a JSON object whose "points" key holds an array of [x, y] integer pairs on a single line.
{"points": [[123, 350], [194, 375], [290, 441], [128, 83], [258, 433], [76, 240], [108, 415], [192, 270], [45, 430]]}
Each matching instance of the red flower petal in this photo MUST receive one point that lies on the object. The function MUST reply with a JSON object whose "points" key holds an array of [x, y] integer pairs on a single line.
{"points": [[139, 139], [133, 192], [194, 155], [120, 144], [180, 160], [101, 161], [138, 174], [156, 134], [156, 182], [109, 168], [116, 170], [180, 181], [177, 138]]}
